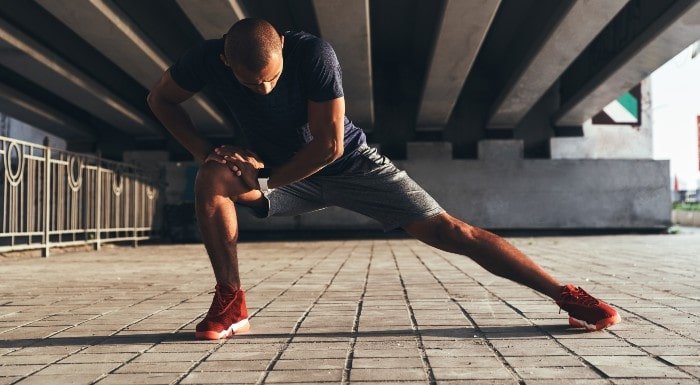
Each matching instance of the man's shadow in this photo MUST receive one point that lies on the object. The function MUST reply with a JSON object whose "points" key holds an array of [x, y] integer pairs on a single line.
{"points": [[448, 333]]}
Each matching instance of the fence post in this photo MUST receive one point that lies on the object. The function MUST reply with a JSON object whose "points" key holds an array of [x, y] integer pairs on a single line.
{"points": [[47, 199], [98, 201], [136, 206]]}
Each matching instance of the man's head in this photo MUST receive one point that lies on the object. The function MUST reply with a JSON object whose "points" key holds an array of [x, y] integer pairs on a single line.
{"points": [[253, 51]]}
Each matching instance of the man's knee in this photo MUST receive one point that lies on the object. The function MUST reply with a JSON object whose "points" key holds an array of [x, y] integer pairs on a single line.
{"points": [[456, 233], [217, 179]]}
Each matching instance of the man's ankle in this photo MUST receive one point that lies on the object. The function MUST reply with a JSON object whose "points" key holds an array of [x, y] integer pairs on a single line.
{"points": [[229, 286]]}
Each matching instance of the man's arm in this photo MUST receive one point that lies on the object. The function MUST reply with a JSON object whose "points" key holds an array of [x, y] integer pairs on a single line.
{"points": [[164, 99], [326, 124]]}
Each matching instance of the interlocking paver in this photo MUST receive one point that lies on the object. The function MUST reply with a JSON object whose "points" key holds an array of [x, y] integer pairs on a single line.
{"points": [[356, 311]]}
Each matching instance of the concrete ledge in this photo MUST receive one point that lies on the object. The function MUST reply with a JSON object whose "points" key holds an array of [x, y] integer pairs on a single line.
{"points": [[686, 218], [429, 150], [501, 149]]}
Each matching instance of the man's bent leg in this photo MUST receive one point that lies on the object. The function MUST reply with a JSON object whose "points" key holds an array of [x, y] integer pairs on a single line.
{"points": [[489, 250], [216, 190]]}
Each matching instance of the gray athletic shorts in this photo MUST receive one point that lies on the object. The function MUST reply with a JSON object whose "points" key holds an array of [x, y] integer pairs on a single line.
{"points": [[372, 185]]}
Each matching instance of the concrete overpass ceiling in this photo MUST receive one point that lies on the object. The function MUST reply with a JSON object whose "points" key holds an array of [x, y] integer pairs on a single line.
{"points": [[350, 37], [640, 39], [549, 58], [110, 31], [215, 19], [55, 43], [29, 110], [403, 32], [33, 60], [285, 14], [93, 125], [461, 32], [516, 27]]}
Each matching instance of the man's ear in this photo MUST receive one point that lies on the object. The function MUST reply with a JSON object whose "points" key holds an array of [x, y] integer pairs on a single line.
{"points": [[223, 60], [282, 38]]}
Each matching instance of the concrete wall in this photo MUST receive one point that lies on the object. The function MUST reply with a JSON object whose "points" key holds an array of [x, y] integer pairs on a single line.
{"points": [[501, 190], [602, 141]]}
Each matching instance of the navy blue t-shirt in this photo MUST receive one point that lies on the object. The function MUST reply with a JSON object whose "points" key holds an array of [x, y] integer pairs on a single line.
{"points": [[275, 125]]}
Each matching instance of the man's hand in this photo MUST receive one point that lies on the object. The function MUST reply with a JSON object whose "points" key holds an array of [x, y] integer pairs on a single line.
{"points": [[247, 155], [245, 167], [226, 155], [244, 163]]}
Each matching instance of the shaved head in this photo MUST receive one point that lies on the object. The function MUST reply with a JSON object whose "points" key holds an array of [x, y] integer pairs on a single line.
{"points": [[252, 43]]}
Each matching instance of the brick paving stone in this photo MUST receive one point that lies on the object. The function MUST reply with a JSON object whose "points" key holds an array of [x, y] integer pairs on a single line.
{"points": [[98, 367], [18, 370], [642, 371], [310, 363], [469, 373], [562, 373], [232, 366], [405, 374], [387, 363], [139, 378], [154, 367], [304, 376], [81, 358], [124, 318], [9, 380], [61, 379]]}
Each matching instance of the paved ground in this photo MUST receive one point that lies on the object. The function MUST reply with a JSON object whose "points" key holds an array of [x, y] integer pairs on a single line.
{"points": [[352, 312]]}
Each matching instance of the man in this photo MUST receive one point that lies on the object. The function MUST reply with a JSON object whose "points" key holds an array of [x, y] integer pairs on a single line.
{"points": [[285, 91]]}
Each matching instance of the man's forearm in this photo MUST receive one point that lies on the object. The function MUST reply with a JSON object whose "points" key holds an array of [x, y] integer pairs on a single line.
{"points": [[310, 159], [179, 124]]}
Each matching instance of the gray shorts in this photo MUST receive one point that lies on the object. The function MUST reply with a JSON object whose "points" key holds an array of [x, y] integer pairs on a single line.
{"points": [[372, 185]]}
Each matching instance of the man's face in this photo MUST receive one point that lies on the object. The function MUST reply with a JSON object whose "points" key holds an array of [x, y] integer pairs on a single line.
{"points": [[263, 81]]}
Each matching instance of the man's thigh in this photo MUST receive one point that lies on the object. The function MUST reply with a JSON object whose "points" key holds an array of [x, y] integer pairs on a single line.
{"points": [[375, 187], [296, 198]]}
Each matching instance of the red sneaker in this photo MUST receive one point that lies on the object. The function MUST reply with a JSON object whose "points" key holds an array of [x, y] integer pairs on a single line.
{"points": [[586, 311], [228, 315]]}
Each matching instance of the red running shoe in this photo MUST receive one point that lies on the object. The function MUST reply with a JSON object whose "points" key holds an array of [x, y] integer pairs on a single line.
{"points": [[586, 311], [228, 315]]}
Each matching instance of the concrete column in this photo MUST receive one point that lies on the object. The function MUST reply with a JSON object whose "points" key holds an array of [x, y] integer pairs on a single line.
{"points": [[345, 24], [673, 31], [104, 26], [573, 31], [460, 35]]}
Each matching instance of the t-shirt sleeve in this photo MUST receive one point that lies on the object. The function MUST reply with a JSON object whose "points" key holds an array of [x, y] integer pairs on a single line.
{"points": [[189, 71], [322, 73]]}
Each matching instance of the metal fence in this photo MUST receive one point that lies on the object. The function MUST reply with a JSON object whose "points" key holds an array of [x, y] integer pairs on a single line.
{"points": [[52, 197]]}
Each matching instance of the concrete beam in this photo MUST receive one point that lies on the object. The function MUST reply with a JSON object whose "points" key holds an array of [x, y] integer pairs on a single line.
{"points": [[214, 20], [345, 24], [574, 30], [27, 109], [32, 60], [460, 35], [104, 26], [672, 32]]}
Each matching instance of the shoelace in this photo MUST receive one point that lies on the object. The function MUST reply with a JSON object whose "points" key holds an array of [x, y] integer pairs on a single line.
{"points": [[219, 303], [579, 296]]}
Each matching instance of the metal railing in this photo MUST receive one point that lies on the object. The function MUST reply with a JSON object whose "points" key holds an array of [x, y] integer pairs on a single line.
{"points": [[51, 197]]}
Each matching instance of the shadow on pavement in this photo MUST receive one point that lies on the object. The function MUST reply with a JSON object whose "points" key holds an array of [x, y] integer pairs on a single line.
{"points": [[456, 333]]}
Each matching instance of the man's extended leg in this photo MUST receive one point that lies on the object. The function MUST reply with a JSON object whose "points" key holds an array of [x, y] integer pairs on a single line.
{"points": [[216, 190], [489, 250], [498, 256]]}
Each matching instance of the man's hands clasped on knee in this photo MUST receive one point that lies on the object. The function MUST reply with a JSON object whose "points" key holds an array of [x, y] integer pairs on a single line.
{"points": [[243, 163]]}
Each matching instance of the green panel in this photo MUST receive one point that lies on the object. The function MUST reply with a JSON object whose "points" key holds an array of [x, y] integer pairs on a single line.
{"points": [[630, 103]]}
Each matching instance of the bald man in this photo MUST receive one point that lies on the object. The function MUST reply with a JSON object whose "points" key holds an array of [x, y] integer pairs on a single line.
{"points": [[303, 155]]}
